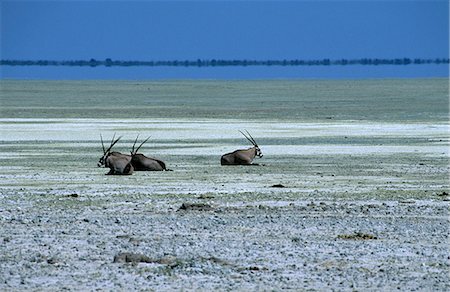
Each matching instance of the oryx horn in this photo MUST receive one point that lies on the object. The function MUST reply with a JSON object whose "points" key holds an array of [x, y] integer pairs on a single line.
{"points": [[103, 145], [251, 137], [137, 149], [113, 143], [248, 138], [134, 144]]}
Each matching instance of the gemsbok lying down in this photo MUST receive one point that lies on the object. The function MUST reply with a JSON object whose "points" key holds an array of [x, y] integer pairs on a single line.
{"points": [[242, 157], [118, 163], [143, 163]]}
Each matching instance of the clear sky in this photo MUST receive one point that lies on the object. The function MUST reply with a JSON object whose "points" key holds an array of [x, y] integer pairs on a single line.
{"points": [[168, 30]]}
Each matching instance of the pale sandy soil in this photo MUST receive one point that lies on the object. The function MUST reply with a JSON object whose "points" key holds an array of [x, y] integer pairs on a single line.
{"points": [[254, 236], [364, 165]]}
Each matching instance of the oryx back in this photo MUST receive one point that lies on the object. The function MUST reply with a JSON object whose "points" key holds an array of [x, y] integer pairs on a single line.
{"points": [[143, 163], [238, 157]]}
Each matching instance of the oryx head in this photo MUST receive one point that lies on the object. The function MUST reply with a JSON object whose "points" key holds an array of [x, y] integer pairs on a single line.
{"points": [[249, 137], [134, 151], [106, 152]]}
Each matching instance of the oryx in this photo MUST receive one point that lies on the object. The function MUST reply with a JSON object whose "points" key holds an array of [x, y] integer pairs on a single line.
{"points": [[143, 163], [242, 157], [118, 163]]}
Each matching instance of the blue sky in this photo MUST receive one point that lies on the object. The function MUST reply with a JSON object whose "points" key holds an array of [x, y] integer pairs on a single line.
{"points": [[167, 30]]}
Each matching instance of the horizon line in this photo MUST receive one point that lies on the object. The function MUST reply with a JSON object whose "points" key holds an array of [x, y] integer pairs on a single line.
{"points": [[108, 62]]}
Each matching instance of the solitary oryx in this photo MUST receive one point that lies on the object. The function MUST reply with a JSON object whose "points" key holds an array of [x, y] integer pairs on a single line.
{"points": [[242, 157], [118, 163], [143, 163]]}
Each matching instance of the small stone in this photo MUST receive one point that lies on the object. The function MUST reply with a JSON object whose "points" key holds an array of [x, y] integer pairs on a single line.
{"points": [[126, 257], [357, 236], [195, 207], [205, 197], [52, 261]]}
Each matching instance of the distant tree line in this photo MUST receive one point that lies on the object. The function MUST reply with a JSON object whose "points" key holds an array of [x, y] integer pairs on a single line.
{"points": [[222, 63]]}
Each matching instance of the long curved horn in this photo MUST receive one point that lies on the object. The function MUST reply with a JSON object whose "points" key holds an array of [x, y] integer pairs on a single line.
{"points": [[134, 144], [103, 145], [135, 152], [114, 136], [250, 140], [246, 137], [112, 144], [254, 142]]}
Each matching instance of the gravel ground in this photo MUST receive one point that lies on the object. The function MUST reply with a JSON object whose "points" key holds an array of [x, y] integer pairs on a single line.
{"points": [[368, 218], [352, 194], [70, 242]]}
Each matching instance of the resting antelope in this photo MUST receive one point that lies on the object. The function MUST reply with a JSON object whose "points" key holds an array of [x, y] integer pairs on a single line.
{"points": [[118, 163], [143, 163], [242, 157]]}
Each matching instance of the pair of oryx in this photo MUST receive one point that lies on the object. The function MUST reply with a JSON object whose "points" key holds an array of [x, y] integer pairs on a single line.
{"points": [[123, 164]]}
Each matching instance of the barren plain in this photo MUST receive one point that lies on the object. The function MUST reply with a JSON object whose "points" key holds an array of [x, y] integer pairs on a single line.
{"points": [[351, 194]]}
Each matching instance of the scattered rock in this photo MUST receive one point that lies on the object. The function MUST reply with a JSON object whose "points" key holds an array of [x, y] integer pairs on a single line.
{"points": [[310, 205], [216, 260], [295, 239], [253, 268], [357, 236], [205, 197], [126, 257], [443, 194], [38, 258], [52, 261], [168, 260], [195, 207], [278, 186]]}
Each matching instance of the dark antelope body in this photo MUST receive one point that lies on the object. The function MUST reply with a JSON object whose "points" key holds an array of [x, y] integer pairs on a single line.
{"points": [[143, 163], [242, 157], [118, 163]]}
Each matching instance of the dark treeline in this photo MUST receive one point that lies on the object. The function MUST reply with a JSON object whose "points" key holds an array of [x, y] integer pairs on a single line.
{"points": [[222, 63]]}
